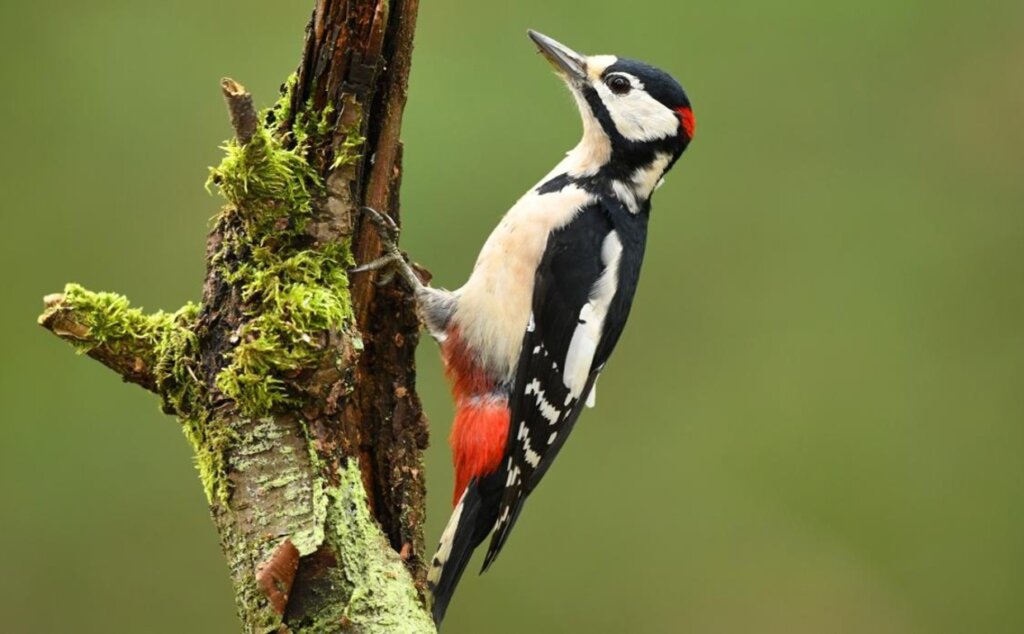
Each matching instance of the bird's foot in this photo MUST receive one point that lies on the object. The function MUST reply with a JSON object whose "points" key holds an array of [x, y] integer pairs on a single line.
{"points": [[386, 264], [393, 261], [386, 228]]}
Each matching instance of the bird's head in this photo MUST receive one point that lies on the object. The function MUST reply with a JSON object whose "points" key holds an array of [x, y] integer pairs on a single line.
{"points": [[632, 111]]}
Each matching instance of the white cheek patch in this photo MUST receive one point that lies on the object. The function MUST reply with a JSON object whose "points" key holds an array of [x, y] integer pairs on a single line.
{"points": [[637, 115]]}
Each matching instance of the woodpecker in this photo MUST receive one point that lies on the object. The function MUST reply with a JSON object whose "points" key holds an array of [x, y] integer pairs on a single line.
{"points": [[526, 337]]}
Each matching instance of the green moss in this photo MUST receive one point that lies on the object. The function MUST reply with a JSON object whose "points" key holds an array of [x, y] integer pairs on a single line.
{"points": [[291, 301], [210, 442], [177, 355], [303, 287], [350, 150], [112, 322], [183, 393], [265, 182], [167, 343], [294, 289], [282, 110], [307, 128]]}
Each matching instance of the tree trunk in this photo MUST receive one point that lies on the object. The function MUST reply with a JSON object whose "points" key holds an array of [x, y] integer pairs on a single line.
{"points": [[294, 383]]}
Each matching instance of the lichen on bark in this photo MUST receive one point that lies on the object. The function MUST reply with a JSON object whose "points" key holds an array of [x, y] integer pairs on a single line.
{"points": [[374, 592]]}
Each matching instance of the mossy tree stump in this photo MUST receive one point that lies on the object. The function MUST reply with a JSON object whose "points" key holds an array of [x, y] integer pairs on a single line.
{"points": [[294, 383]]}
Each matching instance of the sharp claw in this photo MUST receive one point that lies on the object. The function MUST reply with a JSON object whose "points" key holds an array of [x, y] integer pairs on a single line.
{"points": [[394, 260], [386, 227], [379, 218], [385, 262]]}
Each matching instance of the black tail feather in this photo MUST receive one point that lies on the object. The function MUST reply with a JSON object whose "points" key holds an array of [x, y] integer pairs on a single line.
{"points": [[476, 514]]}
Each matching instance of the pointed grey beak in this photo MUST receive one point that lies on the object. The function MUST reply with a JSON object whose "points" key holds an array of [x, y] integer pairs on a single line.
{"points": [[566, 61]]}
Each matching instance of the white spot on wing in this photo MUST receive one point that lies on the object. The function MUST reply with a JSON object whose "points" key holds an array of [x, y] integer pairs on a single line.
{"points": [[531, 456], [513, 476], [547, 410]]}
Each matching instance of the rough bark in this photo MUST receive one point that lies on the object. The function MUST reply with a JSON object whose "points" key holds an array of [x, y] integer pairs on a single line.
{"points": [[294, 384]]}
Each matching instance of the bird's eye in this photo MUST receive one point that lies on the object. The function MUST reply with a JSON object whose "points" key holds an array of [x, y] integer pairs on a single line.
{"points": [[618, 84]]}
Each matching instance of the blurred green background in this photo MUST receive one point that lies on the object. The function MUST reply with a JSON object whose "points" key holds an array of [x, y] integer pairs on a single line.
{"points": [[814, 422]]}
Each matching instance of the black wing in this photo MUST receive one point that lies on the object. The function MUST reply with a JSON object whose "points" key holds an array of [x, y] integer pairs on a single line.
{"points": [[543, 408]]}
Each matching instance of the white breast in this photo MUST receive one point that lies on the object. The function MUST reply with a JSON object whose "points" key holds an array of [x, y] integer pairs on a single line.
{"points": [[494, 305]]}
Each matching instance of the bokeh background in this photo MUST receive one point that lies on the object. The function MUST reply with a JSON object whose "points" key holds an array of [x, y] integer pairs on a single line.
{"points": [[814, 422]]}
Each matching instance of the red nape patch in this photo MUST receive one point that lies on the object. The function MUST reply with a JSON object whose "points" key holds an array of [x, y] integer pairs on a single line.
{"points": [[688, 121], [478, 439]]}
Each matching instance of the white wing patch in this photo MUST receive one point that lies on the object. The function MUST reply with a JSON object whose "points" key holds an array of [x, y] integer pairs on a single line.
{"points": [[585, 338], [582, 347]]}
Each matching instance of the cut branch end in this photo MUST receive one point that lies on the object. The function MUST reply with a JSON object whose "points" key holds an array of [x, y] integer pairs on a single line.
{"points": [[241, 109]]}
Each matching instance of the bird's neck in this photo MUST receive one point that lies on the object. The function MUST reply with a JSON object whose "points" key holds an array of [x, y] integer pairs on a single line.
{"points": [[634, 183], [630, 176], [610, 165]]}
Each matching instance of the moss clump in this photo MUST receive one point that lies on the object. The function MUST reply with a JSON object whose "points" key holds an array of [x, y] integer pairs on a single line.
{"points": [[112, 322], [294, 288], [210, 444], [265, 182], [166, 343], [349, 152], [307, 128], [290, 302], [177, 354]]}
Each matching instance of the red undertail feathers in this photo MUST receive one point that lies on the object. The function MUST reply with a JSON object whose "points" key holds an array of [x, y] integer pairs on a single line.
{"points": [[480, 430]]}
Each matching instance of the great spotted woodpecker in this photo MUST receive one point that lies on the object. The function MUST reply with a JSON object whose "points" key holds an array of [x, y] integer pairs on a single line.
{"points": [[524, 340]]}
